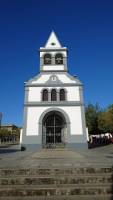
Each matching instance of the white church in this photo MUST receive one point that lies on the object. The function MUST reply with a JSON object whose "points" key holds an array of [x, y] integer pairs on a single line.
{"points": [[53, 108]]}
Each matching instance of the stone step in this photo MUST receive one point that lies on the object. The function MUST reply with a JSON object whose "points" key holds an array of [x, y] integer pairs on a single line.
{"points": [[55, 171], [36, 180], [69, 197], [81, 185], [55, 190], [54, 175], [56, 184]]}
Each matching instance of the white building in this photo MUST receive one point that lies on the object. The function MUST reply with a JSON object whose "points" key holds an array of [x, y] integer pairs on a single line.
{"points": [[54, 108]]}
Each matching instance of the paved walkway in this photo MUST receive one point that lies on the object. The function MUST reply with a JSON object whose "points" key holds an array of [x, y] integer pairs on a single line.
{"points": [[101, 156]]}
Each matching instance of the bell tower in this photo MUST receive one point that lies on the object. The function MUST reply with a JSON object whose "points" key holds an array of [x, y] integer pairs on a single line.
{"points": [[53, 57]]}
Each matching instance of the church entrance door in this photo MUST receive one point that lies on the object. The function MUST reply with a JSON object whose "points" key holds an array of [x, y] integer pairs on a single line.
{"points": [[54, 128]]}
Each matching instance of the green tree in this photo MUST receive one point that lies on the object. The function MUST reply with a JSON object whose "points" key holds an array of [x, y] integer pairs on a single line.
{"points": [[105, 120], [92, 113]]}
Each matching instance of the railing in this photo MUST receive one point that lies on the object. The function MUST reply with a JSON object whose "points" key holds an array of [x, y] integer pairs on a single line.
{"points": [[9, 140]]}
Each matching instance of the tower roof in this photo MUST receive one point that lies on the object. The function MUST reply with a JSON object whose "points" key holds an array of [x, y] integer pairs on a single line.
{"points": [[53, 41]]}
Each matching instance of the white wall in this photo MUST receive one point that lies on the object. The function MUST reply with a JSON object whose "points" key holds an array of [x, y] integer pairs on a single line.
{"points": [[34, 114], [65, 79], [34, 93], [42, 79], [21, 132], [53, 67], [62, 77], [73, 94], [64, 53], [74, 114]]}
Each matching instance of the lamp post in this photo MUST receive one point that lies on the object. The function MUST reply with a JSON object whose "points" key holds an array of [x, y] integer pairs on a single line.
{"points": [[0, 119]]}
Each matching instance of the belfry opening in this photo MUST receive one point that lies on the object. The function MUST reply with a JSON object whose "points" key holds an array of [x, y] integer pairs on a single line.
{"points": [[53, 130]]}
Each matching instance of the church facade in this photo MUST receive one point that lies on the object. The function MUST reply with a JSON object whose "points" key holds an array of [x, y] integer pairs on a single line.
{"points": [[53, 107]]}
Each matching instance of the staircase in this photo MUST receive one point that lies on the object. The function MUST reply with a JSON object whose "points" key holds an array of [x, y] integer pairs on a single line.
{"points": [[58, 183]]}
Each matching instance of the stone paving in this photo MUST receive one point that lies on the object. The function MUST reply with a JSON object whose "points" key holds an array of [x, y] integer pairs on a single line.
{"points": [[11, 157]]}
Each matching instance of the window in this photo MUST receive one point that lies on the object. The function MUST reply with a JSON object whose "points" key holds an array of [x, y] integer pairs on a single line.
{"points": [[62, 95], [53, 44], [47, 59], [45, 95], [59, 59], [53, 95]]}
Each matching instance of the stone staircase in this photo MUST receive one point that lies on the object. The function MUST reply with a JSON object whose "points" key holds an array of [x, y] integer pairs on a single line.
{"points": [[57, 183]]}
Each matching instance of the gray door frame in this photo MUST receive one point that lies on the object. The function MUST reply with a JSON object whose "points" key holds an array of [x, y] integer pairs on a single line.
{"points": [[63, 114]]}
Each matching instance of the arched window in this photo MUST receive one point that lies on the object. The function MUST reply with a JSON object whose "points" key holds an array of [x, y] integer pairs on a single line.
{"points": [[62, 95], [47, 59], [58, 59], [53, 95], [45, 95]]}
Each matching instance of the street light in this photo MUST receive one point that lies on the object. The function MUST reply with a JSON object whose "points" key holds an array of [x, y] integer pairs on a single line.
{"points": [[0, 119]]}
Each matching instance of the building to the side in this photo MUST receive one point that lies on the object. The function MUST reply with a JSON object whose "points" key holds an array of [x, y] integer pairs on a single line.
{"points": [[54, 108], [10, 127], [10, 133]]}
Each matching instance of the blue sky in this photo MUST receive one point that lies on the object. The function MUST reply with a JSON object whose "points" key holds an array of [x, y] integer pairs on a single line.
{"points": [[84, 26]]}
